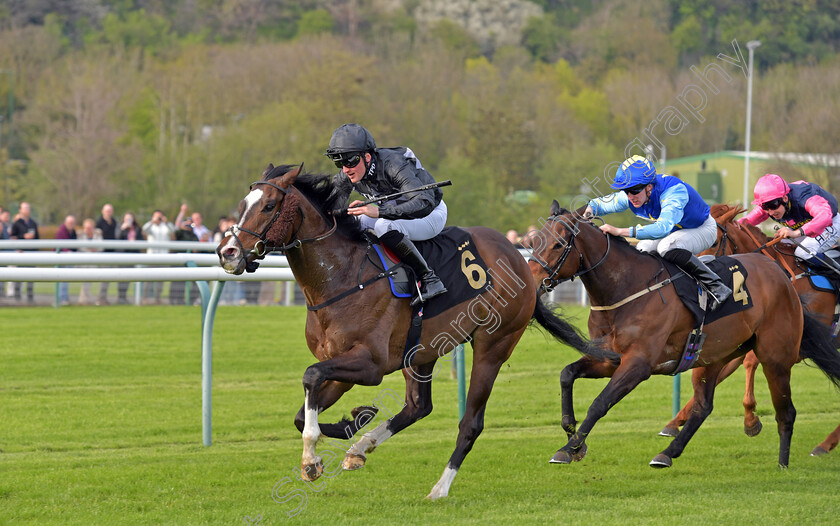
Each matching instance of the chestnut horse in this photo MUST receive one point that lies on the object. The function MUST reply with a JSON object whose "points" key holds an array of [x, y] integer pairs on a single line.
{"points": [[738, 238], [358, 330], [648, 325]]}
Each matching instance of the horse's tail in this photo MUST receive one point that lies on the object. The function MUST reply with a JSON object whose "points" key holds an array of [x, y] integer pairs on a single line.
{"points": [[564, 332], [818, 346]]}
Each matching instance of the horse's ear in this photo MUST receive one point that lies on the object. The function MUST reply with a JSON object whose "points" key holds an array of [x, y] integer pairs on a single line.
{"points": [[268, 169], [555, 208], [291, 175]]}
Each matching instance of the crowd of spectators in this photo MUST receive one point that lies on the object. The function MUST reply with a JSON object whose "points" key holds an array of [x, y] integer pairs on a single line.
{"points": [[186, 227]]}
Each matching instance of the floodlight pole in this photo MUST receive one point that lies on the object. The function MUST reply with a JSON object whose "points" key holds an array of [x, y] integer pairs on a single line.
{"points": [[751, 45]]}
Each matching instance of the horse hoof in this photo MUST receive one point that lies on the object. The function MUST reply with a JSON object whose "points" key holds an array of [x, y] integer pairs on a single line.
{"points": [[310, 472], [669, 432], [818, 452], [578, 455], [561, 457], [754, 429], [661, 461], [353, 461]]}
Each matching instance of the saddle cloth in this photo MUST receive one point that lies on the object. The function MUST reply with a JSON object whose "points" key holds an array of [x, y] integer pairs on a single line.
{"points": [[451, 254], [823, 278], [689, 290]]}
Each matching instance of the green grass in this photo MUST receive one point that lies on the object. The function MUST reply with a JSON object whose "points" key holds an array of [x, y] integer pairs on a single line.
{"points": [[100, 423]]}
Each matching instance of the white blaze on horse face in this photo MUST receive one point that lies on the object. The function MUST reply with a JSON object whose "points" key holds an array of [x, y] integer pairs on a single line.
{"points": [[250, 200]]}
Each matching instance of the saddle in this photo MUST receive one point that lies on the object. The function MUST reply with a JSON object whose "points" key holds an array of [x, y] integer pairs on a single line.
{"points": [[453, 256]]}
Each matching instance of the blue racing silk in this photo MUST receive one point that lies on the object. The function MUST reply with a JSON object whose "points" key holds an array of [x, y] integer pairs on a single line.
{"points": [[673, 205]]}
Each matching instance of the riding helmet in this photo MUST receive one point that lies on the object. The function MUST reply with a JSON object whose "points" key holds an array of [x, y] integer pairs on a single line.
{"points": [[768, 188], [634, 171], [350, 138]]}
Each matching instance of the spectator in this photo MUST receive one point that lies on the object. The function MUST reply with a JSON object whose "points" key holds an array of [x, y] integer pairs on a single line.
{"points": [[158, 228], [201, 232], [67, 230], [176, 288], [89, 233], [129, 231], [5, 226], [25, 227], [109, 228], [512, 236]]}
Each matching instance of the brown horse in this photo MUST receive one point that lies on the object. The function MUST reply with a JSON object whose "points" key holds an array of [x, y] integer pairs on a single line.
{"points": [[649, 325], [737, 238], [358, 330]]}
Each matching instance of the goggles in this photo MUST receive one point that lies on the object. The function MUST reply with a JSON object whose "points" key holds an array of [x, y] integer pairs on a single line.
{"points": [[772, 205], [633, 190], [349, 160]]}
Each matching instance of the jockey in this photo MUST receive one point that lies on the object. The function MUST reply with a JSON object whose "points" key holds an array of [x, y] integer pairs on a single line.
{"points": [[374, 172], [807, 213], [682, 227]]}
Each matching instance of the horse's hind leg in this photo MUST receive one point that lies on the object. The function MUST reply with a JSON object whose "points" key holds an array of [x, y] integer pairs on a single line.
{"points": [[704, 380], [418, 404], [752, 424], [672, 428], [778, 379], [828, 444]]}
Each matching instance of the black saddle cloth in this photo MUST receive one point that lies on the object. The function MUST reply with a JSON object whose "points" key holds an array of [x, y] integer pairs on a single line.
{"points": [[449, 254], [689, 290]]}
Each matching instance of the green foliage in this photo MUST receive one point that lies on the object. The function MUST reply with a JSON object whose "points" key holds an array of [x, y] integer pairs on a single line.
{"points": [[136, 29], [456, 39], [542, 37], [315, 22]]}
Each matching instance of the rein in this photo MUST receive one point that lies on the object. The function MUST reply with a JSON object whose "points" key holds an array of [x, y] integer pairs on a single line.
{"points": [[550, 282], [261, 247], [763, 249]]}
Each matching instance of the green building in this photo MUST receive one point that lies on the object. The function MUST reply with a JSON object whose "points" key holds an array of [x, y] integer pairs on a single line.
{"points": [[719, 176]]}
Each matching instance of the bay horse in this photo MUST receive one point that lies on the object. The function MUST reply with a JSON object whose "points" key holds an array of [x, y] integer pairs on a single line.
{"points": [[358, 330], [649, 327], [740, 238]]}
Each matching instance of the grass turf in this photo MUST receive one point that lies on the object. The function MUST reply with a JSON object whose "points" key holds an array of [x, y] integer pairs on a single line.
{"points": [[100, 423]]}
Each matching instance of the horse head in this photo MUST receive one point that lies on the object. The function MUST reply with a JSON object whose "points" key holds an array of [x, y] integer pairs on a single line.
{"points": [[550, 248], [269, 218]]}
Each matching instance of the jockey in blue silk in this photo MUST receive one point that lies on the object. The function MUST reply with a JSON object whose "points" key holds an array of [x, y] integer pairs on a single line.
{"points": [[682, 225]]}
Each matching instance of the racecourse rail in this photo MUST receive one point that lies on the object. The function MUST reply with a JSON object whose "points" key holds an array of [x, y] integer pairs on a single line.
{"points": [[21, 260]]}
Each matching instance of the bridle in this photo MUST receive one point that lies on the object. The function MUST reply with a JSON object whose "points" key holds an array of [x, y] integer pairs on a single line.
{"points": [[721, 251], [551, 281], [261, 247]]}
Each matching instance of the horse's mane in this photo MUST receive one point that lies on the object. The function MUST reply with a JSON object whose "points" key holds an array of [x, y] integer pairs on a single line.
{"points": [[724, 214], [317, 189]]}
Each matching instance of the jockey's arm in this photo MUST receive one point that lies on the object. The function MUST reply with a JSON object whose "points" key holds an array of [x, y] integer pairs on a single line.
{"points": [[673, 201], [609, 204], [820, 210], [417, 205], [755, 217]]}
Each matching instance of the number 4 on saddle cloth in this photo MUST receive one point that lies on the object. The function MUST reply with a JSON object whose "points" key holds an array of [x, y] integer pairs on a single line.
{"points": [[733, 275], [453, 256]]}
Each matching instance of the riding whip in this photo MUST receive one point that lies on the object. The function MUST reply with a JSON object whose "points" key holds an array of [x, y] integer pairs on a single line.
{"points": [[392, 196]]}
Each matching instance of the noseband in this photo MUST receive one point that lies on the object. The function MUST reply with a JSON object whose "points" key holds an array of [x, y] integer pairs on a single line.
{"points": [[261, 247], [551, 281]]}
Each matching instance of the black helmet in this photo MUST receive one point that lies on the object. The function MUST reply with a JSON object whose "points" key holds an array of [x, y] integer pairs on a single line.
{"points": [[350, 138]]}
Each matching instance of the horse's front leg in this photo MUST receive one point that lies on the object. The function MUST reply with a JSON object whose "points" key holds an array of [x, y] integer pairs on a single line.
{"points": [[583, 368], [418, 404], [355, 367], [625, 378]]}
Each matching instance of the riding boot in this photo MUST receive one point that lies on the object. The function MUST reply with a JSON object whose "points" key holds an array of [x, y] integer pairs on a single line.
{"points": [[718, 291], [430, 284]]}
